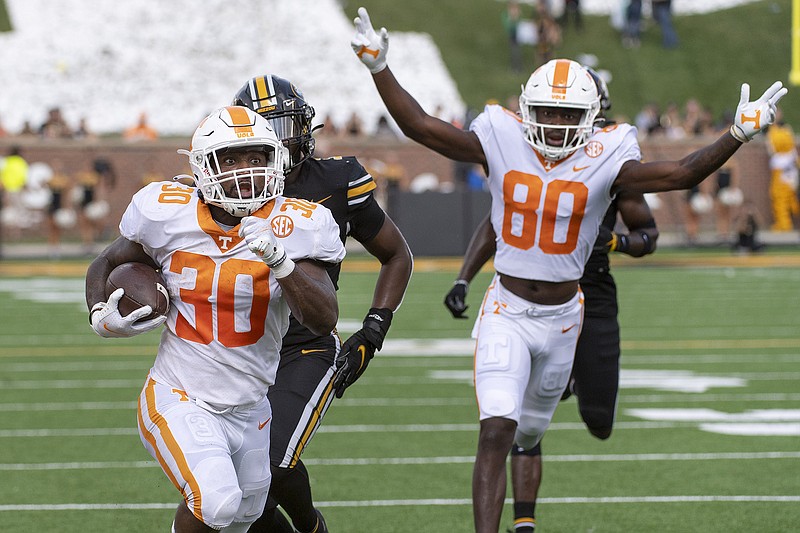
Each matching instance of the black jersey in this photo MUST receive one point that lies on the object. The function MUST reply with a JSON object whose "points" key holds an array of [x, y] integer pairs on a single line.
{"points": [[597, 283], [345, 187]]}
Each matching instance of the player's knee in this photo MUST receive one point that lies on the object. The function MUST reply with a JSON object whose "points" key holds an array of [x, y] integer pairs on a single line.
{"points": [[220, 494], [220, 506], [497, 403], [531, 452], [251, 505], [527, 441], [496, 433], [255, 483], [531, 429]]}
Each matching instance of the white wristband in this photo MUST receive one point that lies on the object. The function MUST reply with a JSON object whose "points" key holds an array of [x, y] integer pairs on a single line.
{"points": [[737, 134], [378, 67], [282, 270]]}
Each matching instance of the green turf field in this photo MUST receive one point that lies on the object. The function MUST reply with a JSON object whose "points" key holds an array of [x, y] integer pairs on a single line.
{"points": [[707, 436]]}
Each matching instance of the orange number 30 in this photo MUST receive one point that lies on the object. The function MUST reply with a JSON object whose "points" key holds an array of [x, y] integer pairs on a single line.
{"points": [[522, 194], [199, 298]]}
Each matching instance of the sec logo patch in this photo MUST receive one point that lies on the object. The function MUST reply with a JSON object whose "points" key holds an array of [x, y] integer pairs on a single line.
{"points": [[282, 226], [594, 149]]}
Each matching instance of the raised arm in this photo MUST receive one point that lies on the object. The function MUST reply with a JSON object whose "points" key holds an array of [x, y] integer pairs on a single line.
{"points": [[750, 118], [371, 48]]}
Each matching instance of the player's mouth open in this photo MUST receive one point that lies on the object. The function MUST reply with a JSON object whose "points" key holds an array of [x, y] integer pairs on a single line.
{"points": [[245, 189]]}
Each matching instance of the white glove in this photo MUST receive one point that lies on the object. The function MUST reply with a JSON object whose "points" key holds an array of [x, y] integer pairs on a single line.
{"points": [[107, 322], [752, 117], [257, 233], [370, 47]]}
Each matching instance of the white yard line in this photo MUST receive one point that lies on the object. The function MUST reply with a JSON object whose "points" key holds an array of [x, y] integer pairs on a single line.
{"points": [[333, 428], [422, 503], [625, 399], [400, 461]]}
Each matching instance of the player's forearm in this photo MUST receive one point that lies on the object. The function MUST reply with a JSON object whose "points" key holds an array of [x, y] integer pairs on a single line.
{"points": [[312, 299], [429, 131], [392, 282], [481, 248], [474, 261], [700, 164], [403, 108], [120, 251], [657, 176], [96, 276]]}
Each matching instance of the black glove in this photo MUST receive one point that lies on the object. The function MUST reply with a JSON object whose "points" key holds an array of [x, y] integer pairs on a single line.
{"points": [[605, 241], [455, 300], [357, 351]]}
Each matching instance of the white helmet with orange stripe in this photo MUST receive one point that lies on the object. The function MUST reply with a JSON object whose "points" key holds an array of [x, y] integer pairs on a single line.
{"points": [[239, 191], [565, 84]]}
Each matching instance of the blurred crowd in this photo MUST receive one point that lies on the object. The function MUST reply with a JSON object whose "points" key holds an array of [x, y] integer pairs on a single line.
{"points": [[56, 127], [42, 194], [48, 194], [540, 24]]}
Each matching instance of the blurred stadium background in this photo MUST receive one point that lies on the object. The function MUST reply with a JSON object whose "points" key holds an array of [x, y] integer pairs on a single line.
{"points": [[107, 63], [709, 413]]}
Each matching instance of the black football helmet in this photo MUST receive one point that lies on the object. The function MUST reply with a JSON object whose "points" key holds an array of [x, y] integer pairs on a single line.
{"points": [[284, 106]]}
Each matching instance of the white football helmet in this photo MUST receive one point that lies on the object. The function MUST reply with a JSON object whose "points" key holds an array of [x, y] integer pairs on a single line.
{"points": [[559, 83], [236, 127]]}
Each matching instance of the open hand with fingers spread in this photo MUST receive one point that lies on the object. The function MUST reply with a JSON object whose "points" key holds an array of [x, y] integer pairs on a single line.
{"points": [[753, 117], [370, 46]]}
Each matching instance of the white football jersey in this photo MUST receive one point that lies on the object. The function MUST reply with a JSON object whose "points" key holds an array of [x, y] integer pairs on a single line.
{"points": [[227, 315], [546, 214]]}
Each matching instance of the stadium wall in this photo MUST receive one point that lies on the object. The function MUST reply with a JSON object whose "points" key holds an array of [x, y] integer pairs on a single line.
{"points": [[416, 215]]}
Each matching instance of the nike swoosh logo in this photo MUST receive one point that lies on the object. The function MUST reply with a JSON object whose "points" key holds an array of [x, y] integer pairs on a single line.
{"points": [[564, 330], [303, 352], [363, 351], [578, 169], [264, 423], [326, 198]]}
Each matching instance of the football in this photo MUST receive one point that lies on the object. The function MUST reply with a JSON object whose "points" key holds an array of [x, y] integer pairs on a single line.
{"points": [[143, 286]]}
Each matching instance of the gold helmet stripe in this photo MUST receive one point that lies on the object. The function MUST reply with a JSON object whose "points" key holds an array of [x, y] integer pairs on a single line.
{"points": [[241, 121], [560, 78], [262, 90]]}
